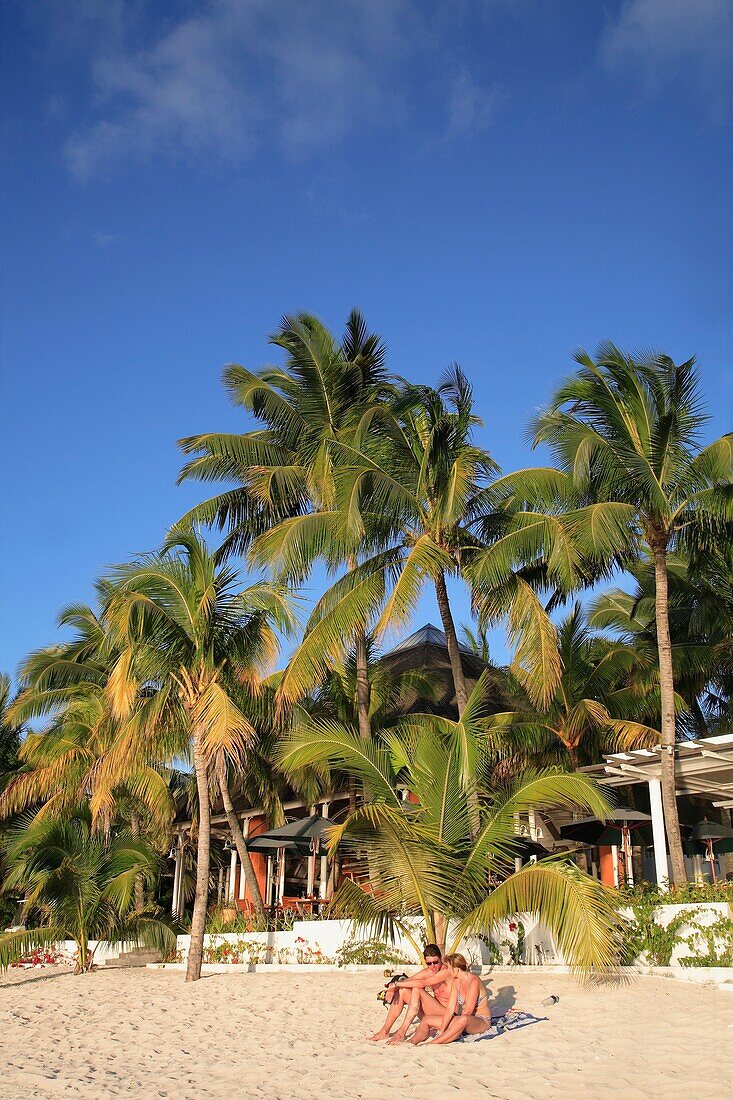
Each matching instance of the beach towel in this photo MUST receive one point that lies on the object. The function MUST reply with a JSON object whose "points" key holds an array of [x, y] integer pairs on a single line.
{"points": [[510, 1021]]}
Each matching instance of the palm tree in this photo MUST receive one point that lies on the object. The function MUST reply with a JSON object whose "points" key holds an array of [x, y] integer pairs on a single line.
{"points": [[424, 859], [256, 776], [477, 641], [328, 391], [191, 636], [11, 732], [631, 480], [337, 698], [84, 880], [62, 765], [599, 704], [701, 629], [409, 496]]}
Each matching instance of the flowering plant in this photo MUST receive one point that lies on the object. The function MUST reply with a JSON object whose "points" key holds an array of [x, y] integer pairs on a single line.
{"points": [[41, 956]]}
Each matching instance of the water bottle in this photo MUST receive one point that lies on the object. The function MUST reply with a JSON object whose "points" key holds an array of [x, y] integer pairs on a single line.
{"points": [[549, 1001]]}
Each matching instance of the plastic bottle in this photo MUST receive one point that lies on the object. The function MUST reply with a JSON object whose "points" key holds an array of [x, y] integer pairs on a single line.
{"points": [[549, 1001]]}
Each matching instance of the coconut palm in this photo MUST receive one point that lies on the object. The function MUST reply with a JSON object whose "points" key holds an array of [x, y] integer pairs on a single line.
{"points": [[478, 641], [327, 391], [701, 629], [631, 480], [256, 776], [11, 732], [390, 696], [599, 706], [323, 392], [83, 880], [61, 766], [190, 635], [421, 855], [408, 496]]}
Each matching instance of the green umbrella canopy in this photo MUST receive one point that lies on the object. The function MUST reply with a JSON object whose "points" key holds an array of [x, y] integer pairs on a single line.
{"points": [[591, 830], [711, 830], [297, 836], [705, 831]]}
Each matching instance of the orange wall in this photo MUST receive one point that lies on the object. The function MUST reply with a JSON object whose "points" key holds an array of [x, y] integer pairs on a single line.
{"points": [[606, 865], [257, 825]]}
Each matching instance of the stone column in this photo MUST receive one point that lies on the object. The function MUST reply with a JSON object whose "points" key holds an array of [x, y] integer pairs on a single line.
{"points": [[178, 903], [323, 884], [232, 891], [242, 882], [658, 833]]}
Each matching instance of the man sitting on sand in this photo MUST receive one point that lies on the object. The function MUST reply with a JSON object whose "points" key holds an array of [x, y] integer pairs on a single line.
{"points": [[422, 995], [467, 1010]]}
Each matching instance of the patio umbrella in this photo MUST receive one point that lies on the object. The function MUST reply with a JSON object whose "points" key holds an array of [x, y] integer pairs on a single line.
{"points": [[708, 834], [301, 837], [616, 829], [297, 836], [523, 848]]}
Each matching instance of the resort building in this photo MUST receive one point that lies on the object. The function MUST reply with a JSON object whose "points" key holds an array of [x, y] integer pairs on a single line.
{"points": [[294, 872]]}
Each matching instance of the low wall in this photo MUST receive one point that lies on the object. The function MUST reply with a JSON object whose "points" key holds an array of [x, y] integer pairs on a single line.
{"points": [[306, 938], [302, 944], [304, 941], [701, 913]]}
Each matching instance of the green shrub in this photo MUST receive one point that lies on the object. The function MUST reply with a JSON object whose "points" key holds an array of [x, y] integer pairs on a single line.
{"points": [[369, 953], [717, 939], [217, 922], [516, 947]]}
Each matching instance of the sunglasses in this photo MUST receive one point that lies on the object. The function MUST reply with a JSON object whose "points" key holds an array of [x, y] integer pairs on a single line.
{"points": [[433, 962]]}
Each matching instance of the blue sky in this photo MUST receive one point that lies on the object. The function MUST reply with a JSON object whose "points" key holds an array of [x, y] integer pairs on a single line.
{"points": [[493, 183]]}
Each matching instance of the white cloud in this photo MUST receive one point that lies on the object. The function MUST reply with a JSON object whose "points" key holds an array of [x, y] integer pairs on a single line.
{"points": [[296, 73], [216, 80], [472, 107], [665, 40], [104, 240]]}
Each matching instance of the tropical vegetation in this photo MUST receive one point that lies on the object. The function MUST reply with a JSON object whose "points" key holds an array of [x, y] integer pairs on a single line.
{"points": [[79, 883], [610, 570]]}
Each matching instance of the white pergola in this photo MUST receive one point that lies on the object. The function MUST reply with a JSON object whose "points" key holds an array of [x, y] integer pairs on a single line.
{"points": [[703, 768]]}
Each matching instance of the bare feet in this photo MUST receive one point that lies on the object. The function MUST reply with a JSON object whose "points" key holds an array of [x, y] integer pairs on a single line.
{"points": [[378, 1036], [398, 1037]]}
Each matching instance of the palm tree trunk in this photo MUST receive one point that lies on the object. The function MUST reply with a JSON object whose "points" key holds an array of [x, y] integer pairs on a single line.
{"points": [[203, 855], [666, 687], [362, 707], [238, 837], [454, 653], [459, 682], [362, 687], [441, 929], [139, 891], [82, 955]]}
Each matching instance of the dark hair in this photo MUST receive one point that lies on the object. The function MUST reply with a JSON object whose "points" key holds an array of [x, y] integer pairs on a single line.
{"points": [[433, 951]]}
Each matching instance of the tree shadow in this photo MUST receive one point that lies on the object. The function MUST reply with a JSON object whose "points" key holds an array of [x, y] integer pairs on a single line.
{"points": [[31, 978]]}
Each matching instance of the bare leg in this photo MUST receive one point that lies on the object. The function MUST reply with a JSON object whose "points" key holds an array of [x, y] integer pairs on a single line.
{"points": [[472, 1025], [421, 1004], [400, 999], [427, 1024]]}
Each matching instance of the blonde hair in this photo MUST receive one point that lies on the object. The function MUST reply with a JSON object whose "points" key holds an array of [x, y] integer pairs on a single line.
{"points": [[458, 961]]}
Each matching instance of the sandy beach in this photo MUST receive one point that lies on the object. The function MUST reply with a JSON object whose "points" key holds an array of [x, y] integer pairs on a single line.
{"points": [[276, 1036]]}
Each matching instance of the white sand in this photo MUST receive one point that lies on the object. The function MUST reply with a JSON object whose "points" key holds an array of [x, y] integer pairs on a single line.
{"points": [[145, 1033]]}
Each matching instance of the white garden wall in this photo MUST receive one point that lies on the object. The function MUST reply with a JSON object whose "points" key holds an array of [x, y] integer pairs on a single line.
{"points": [[327, 936]]}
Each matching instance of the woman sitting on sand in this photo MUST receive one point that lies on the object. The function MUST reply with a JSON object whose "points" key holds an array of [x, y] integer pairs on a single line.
{"points": [[467, 1009]]}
